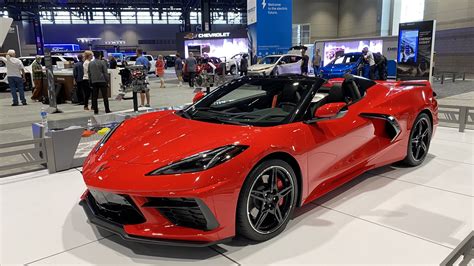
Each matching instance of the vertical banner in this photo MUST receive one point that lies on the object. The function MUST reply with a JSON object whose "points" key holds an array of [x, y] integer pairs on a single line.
{"points": [[39, 41], [415, 50], [48, 62], [270, 26]]}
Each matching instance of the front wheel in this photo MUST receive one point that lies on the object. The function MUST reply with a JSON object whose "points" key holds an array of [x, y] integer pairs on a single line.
{"points": [[419, 142], [267, 200]]}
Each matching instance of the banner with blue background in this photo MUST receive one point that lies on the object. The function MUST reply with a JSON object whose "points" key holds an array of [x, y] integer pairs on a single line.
{"points": [[270, 26]]}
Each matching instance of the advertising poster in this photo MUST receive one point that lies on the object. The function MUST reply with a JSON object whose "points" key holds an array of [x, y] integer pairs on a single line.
{"points": [[217, 47], [271, 21], [332, 50], [415, 50]]}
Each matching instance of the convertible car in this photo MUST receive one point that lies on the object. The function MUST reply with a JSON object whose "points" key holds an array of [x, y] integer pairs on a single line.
{"points": [[240, 160]]}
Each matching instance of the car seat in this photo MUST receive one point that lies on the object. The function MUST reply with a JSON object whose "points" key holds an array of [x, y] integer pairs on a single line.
{"points": [[289, 97], [335, 95]]}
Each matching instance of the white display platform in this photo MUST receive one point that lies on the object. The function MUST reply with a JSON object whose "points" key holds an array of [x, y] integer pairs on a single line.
{"points": [[389, 216]]}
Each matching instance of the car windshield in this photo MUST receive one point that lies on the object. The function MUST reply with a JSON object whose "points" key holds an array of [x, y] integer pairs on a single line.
{"points": [[258, 102], [71, 59], [131, 58], [27, 61], [269, 60], [346, 59]]}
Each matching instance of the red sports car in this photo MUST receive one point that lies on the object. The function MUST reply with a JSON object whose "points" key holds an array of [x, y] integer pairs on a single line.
{"points": [[240, 160]]}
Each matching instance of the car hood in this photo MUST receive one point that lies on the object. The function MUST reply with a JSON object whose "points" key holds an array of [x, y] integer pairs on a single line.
{"points": [[259, 67], [163, 137]]}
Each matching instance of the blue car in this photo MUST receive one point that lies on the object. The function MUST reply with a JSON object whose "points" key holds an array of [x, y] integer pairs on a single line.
{"points": [[346, 63]]}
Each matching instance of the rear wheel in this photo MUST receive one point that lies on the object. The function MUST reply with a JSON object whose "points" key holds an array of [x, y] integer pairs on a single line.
{"points": [[267, 200], [419, 142]]}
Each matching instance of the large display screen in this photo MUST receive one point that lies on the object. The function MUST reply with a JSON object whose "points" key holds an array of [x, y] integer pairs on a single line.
{"points": [[335, 49], [408, 46], [217, 47]]}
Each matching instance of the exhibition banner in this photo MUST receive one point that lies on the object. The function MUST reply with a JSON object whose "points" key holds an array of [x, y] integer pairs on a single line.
{"points": [[270, 26], [415, 50]]}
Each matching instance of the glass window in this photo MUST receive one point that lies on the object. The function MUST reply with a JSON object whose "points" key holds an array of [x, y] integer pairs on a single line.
{"points": [[156, 18], [62, 17], [144, 17], [129, 17], [195, 17], [45, 17], [412, 10], [97, 18], [218, 18], [174, 18], [110, 18], [234, 17]]}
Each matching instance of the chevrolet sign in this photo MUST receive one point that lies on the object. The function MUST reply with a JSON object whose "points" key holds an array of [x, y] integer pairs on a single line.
{"points": [[207, 35]]}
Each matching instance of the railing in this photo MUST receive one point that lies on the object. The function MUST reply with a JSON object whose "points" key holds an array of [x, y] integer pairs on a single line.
{"points": [[463, 252], [35, 154], [442, 75], [461, 115]]}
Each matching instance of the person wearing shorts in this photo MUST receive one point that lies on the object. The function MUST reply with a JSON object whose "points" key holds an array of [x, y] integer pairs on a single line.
{"points": [[160, 70]]}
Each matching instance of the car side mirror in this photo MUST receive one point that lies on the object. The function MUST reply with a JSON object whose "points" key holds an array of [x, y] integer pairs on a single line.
{"points": [[329, 110]]}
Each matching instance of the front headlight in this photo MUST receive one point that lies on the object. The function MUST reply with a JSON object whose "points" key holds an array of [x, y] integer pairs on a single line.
{"points": [[201, 161]]}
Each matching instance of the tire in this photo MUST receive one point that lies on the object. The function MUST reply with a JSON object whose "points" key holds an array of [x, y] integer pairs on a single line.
{"points": [[419, 142], [261, 213], [233, 70]]}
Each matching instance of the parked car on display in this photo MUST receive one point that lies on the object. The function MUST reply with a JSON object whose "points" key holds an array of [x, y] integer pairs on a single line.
{"points": [[241, 159], [132, 58], [3, 77], [274, 65], [27, 62], [233, 65], [346, 63], [202, 64], [170, 59]]}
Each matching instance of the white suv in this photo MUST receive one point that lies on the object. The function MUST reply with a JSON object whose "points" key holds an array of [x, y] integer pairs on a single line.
{"points": [[132, 58], [233, 65], [27, 62]]}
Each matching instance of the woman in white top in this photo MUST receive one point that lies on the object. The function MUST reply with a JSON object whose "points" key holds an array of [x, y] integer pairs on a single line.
{"points": [[88, 55]]}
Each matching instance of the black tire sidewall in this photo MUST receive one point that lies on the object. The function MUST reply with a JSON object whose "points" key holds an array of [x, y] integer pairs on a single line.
{"points": [[410, 159], [243, 226]]}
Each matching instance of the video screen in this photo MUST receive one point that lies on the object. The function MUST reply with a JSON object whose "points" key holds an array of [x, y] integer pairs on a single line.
{"points": [[217, 47], [333, 50], [408, 46]]}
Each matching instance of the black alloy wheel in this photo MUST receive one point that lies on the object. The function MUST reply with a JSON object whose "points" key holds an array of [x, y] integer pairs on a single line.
{"points": [[267, 200], [419, 143]]}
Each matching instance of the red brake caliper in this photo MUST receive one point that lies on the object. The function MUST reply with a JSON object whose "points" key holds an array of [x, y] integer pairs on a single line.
{"points": [[280, 187]]}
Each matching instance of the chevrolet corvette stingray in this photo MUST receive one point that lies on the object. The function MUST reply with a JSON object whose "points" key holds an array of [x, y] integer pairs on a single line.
{"points": [[240, 160]]}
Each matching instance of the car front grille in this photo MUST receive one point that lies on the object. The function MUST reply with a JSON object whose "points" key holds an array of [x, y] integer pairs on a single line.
{"points": [[116, 208], [186, 212]]}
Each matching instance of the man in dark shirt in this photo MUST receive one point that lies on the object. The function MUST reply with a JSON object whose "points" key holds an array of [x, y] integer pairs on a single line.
{"points": [[304, 63], [99, 78], [112, 62], [81, 84], [178, 67], [244, 65], [191, 65]]}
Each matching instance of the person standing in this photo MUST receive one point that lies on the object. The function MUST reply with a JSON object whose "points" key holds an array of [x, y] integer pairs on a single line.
{"points": [[160, 70], [37, 70], [178, 67], [316, 63], [244, 65], [15, 76], [86, 85], [78, 73], [112, 62], [143, 61], [369, 59], [191, 65], [304, 63], [99, 80]]}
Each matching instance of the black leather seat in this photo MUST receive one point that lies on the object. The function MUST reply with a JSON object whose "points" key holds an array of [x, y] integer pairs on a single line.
{"points": [[289, 97]]}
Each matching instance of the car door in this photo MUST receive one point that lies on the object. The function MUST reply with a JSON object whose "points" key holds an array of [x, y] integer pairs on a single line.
{"points": [[284, 65], [339, 148]]}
